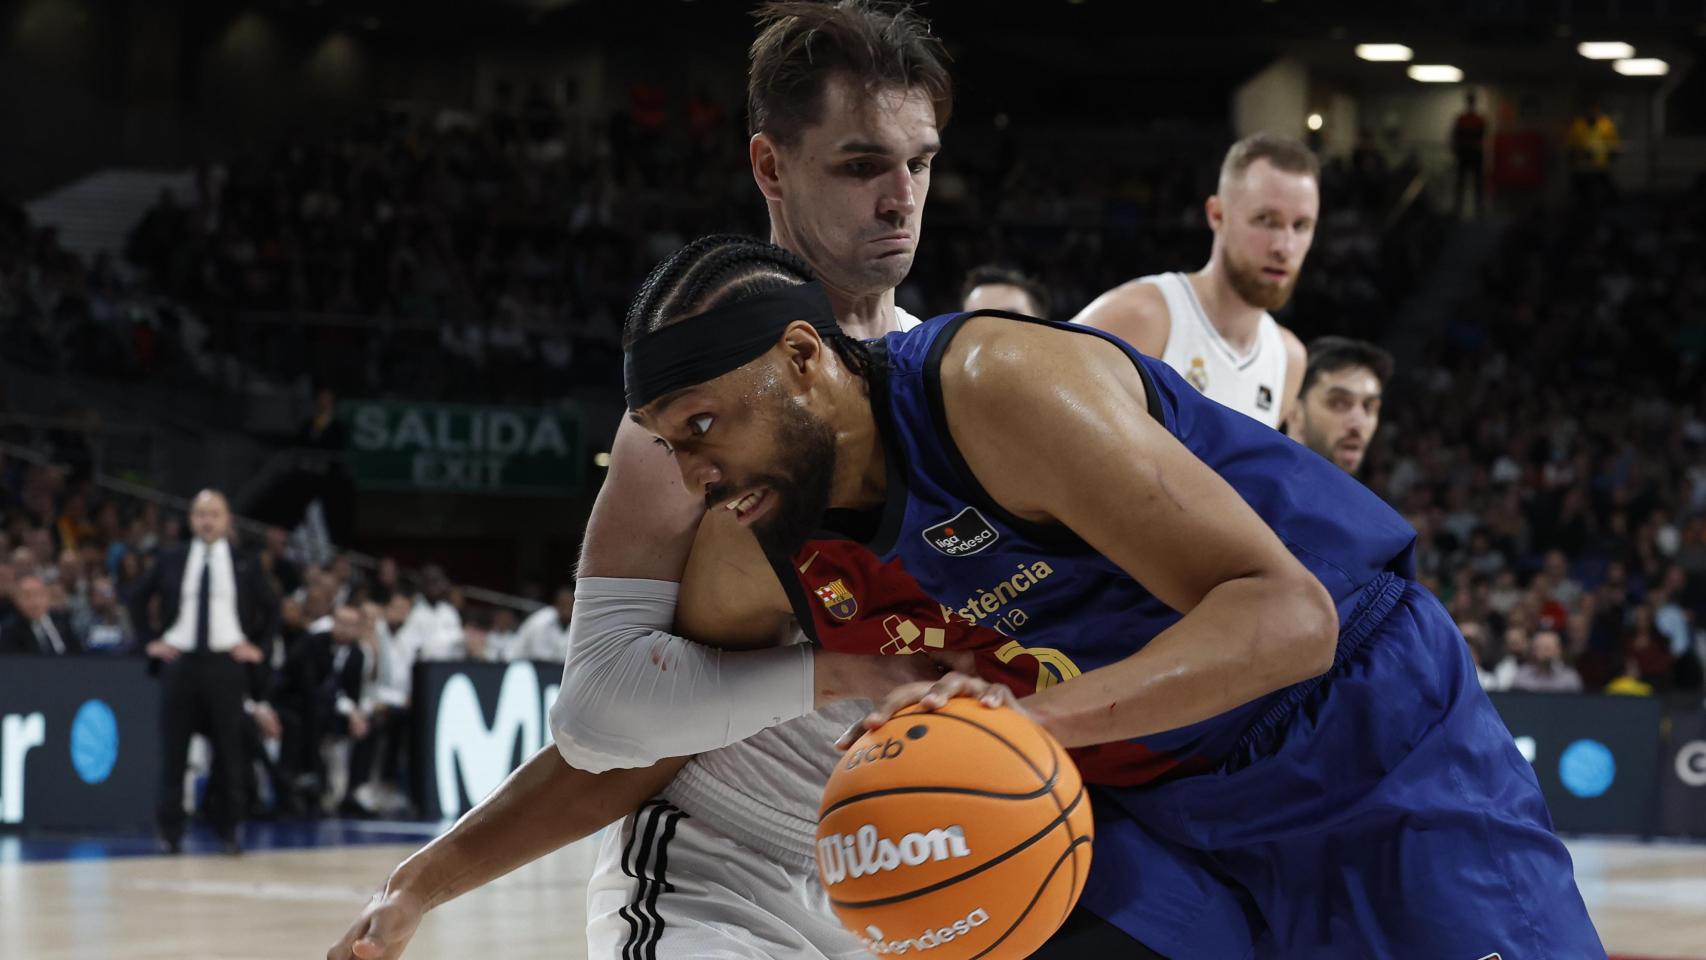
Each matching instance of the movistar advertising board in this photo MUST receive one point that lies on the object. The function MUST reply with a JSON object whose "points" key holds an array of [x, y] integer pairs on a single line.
{"points": [[79, 742]]}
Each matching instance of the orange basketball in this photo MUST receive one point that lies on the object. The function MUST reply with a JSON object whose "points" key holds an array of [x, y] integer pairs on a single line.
{"points": [[963, 832]]}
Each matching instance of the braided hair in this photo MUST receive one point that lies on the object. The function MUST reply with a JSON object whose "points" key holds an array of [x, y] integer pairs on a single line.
{"points": [[720, 269]]}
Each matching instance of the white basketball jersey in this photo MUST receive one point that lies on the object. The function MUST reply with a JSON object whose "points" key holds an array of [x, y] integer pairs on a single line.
{"points": [[1252, 384]]}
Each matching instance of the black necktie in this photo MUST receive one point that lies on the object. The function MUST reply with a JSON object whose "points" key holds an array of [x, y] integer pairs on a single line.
{"points": [[203, 639]]}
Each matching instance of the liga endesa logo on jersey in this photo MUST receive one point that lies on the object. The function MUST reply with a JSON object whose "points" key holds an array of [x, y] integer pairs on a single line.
{"points": [[962, 536], [878, 943], [864, 852]]}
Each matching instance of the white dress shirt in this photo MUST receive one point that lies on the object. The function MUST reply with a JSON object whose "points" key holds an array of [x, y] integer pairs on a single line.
{"points": [[438, 630], [541, 637], [392, 681], [224, 630]]}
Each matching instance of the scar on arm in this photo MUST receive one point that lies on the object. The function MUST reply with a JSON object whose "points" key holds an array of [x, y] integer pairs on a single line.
{"points": [[1167, 491]]}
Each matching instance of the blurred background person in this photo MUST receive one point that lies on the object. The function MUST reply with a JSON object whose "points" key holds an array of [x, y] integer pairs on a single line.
{"points": [[207, 607], [544, 635], [34, 629], [996, 287]]}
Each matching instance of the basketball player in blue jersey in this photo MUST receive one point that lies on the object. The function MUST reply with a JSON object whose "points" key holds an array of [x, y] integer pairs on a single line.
{"points": [[1222, 595], [1214, 326]]}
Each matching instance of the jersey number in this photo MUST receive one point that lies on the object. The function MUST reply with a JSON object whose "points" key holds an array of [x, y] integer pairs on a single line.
{"points": [[1052, 666]]}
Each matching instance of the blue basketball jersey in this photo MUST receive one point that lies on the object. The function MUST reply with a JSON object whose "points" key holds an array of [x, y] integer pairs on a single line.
{"points": [[1059, 601], [1379, 810]]}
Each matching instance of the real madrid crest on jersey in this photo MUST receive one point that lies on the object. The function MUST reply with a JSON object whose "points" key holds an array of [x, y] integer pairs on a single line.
{"points": [[838, 600], [1197, 376]]}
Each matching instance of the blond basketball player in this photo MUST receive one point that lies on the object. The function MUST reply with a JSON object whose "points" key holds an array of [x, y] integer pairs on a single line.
{"points": [[1214, 326]]}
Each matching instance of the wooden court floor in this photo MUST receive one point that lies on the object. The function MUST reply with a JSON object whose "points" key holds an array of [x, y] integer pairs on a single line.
{"points": [[1648, 900]]}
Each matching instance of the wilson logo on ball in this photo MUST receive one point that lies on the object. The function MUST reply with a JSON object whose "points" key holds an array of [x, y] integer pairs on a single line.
{"points": [[863, 853]]}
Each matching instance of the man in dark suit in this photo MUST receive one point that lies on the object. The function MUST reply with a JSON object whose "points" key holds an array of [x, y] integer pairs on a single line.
{"points": [[216, 612], [320, 693], [33, 630]]}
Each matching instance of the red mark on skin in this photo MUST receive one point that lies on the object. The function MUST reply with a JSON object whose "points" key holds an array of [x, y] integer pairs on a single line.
{"points": [[1161, 483]]}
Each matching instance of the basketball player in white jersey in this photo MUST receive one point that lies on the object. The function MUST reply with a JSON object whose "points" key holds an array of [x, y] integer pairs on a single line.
{"points": [[846, 103], [1213, 326]]}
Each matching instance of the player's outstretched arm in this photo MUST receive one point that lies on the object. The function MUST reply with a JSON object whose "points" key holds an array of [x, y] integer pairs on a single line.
{"points": [[1089, 456], [543, 806], [642, 527]]}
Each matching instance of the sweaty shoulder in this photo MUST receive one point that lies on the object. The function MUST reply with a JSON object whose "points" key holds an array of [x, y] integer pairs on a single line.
{"points": [[991, 358], [1076, 389], [1134, 311]]}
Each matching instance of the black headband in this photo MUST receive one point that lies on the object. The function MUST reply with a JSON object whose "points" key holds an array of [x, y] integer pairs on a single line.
{"points": [[708, 345]]}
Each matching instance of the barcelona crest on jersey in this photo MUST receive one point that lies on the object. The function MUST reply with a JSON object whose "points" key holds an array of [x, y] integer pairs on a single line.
{"points": [[838, 600]]}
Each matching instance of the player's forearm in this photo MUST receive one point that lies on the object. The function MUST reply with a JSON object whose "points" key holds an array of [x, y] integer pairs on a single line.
{"points": [[543, 806], [1248, 637], [633, 693]]}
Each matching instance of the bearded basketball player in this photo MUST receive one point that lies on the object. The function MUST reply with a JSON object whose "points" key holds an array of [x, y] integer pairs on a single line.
{"points": [[1214, 326]]}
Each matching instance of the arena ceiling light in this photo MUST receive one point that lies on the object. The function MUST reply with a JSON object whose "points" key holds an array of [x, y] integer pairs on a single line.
{"points": [[1435, 73], [1642, 67], [1385, 52], [1605, 50]]}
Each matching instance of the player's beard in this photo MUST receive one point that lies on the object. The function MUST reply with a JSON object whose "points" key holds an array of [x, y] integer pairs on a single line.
{"points": [[1255, 289], [802, 495], [1327, 446]]}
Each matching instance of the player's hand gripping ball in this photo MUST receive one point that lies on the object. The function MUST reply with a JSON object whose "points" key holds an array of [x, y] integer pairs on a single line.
{"points": [[961, 832]]}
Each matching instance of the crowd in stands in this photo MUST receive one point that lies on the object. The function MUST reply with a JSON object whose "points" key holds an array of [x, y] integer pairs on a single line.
{"points": [[1551, 451], [59, 312], [486, 259], [337, 670]]}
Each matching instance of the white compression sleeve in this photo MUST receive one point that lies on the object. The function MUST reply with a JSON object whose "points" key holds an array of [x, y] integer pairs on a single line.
{"points": [[634, 694]]}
